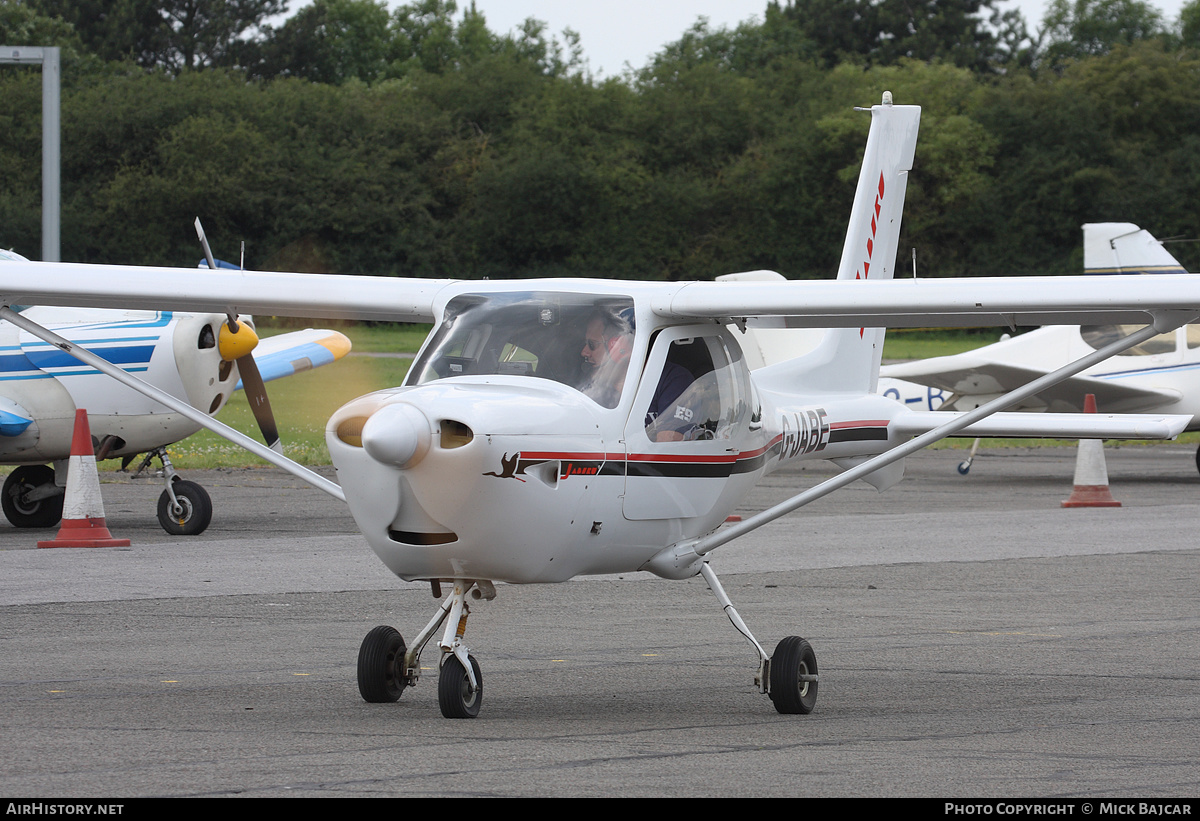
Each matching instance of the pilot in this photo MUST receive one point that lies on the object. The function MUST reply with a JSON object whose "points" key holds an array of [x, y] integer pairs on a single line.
{"points": [[607, 344]]}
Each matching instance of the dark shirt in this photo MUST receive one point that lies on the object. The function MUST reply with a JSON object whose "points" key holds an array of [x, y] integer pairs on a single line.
{"points": [[674, 381]]}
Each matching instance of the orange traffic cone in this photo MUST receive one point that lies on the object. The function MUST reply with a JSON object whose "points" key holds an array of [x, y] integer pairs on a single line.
{"points": [[83, 509], [1091, 475]]}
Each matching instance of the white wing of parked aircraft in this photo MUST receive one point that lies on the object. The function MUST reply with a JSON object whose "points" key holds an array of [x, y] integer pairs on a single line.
{"points": [[1161, 375]]}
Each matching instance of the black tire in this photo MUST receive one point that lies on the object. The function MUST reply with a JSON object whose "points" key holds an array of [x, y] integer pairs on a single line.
{"points": [[21, 513], [454, 689], [381, 666], [793, 658], [964, 468], [197, 510], [1198, 458]]}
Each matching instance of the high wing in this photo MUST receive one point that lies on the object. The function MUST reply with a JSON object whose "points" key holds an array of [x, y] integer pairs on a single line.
{"points": [[220, 290], [1001, 301]]}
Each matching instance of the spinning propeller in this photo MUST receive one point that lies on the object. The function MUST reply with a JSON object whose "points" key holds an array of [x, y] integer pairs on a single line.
{"points": [[236, 343]]}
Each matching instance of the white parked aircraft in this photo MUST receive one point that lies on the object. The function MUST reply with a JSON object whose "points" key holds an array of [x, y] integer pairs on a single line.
{"points": [[556, 428], [1161, 375], [192, 356]]}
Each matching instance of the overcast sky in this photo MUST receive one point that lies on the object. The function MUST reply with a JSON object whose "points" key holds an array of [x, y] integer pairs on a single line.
{"points": [[616, 32]]}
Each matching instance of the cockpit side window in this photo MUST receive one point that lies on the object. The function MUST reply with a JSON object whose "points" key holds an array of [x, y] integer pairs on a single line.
{"points": [[699, 395]]}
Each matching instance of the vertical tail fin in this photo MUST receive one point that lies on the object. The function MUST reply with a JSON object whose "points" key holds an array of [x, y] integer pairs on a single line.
{"points": [[1123, 248], [848, 359]]}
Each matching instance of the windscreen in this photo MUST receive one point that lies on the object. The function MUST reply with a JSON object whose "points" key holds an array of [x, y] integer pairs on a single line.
{"points": [[580, 340]]}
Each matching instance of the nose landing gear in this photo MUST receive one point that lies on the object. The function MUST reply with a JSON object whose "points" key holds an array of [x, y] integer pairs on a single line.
{"points": [[184, 508], [386, 665]]}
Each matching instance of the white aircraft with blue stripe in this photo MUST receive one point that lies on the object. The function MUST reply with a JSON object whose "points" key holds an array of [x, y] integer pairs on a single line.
{"points": [[1161, 375], [190, 356]]}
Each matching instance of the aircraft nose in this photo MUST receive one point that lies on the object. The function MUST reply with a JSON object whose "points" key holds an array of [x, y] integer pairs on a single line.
{"points": [[397, 434]]}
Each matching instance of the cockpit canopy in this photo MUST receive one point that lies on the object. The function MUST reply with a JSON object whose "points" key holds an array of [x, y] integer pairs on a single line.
{"points": [[579, 340]]}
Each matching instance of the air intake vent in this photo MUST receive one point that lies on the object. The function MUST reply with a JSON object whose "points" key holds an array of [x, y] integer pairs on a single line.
{"points": [[455, 434]]}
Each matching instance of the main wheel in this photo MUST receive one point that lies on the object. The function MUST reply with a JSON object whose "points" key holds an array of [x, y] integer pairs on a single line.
{"points": [[21, 512], [793, 662], [195, 510], [381, 665], [454, 689]]}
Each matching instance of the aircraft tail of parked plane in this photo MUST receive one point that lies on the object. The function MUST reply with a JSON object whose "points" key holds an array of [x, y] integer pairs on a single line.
{"points": [[1124, 248]]}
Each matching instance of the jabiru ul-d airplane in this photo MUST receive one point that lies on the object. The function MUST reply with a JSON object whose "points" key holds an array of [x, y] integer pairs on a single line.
{"points": [[556, 428], [1160, 375], [193, 356]]}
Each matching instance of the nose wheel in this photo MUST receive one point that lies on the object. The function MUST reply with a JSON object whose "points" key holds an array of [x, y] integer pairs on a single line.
{"points": [[381, 666], [386, 665], [184, 508], [460, 694]]}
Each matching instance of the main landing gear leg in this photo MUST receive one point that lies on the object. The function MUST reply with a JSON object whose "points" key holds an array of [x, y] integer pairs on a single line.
{"points": [[386, 665], [964, 467], [790, 676]]}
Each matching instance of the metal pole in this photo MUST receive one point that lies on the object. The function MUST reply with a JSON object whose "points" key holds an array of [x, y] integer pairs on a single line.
{"points": [[51, 155], [49, 59]]}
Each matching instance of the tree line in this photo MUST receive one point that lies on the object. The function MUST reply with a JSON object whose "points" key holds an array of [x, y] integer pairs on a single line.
{"points": [[417, 142]]}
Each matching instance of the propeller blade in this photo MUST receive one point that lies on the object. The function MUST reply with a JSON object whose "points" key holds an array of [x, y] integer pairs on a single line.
{"points": [[260, 405]]}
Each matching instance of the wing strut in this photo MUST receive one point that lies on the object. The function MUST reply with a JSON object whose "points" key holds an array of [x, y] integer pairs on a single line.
{"points": [[680, 561], [204, 420]]}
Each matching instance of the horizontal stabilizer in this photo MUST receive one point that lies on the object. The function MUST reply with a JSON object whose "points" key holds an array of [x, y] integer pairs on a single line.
{"points": [[1052, 425]]}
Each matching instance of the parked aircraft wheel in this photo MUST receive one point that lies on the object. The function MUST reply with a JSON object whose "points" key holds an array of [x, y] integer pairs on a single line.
{"points": [[381, 666], [794, 659], [1198, 458], [454, 689], [195, 513], [964, 468], [21, 512]]}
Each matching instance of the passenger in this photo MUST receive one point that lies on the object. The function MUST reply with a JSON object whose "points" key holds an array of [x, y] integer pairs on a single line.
{"points": [[668, 419]]}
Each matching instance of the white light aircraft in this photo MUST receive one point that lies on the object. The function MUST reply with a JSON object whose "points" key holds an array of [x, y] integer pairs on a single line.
{"points": [[1160, 375], [556, 428], [193, 356]]}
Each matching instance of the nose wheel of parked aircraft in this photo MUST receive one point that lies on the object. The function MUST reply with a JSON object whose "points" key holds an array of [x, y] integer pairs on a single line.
{"points": [[184, 508]]}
